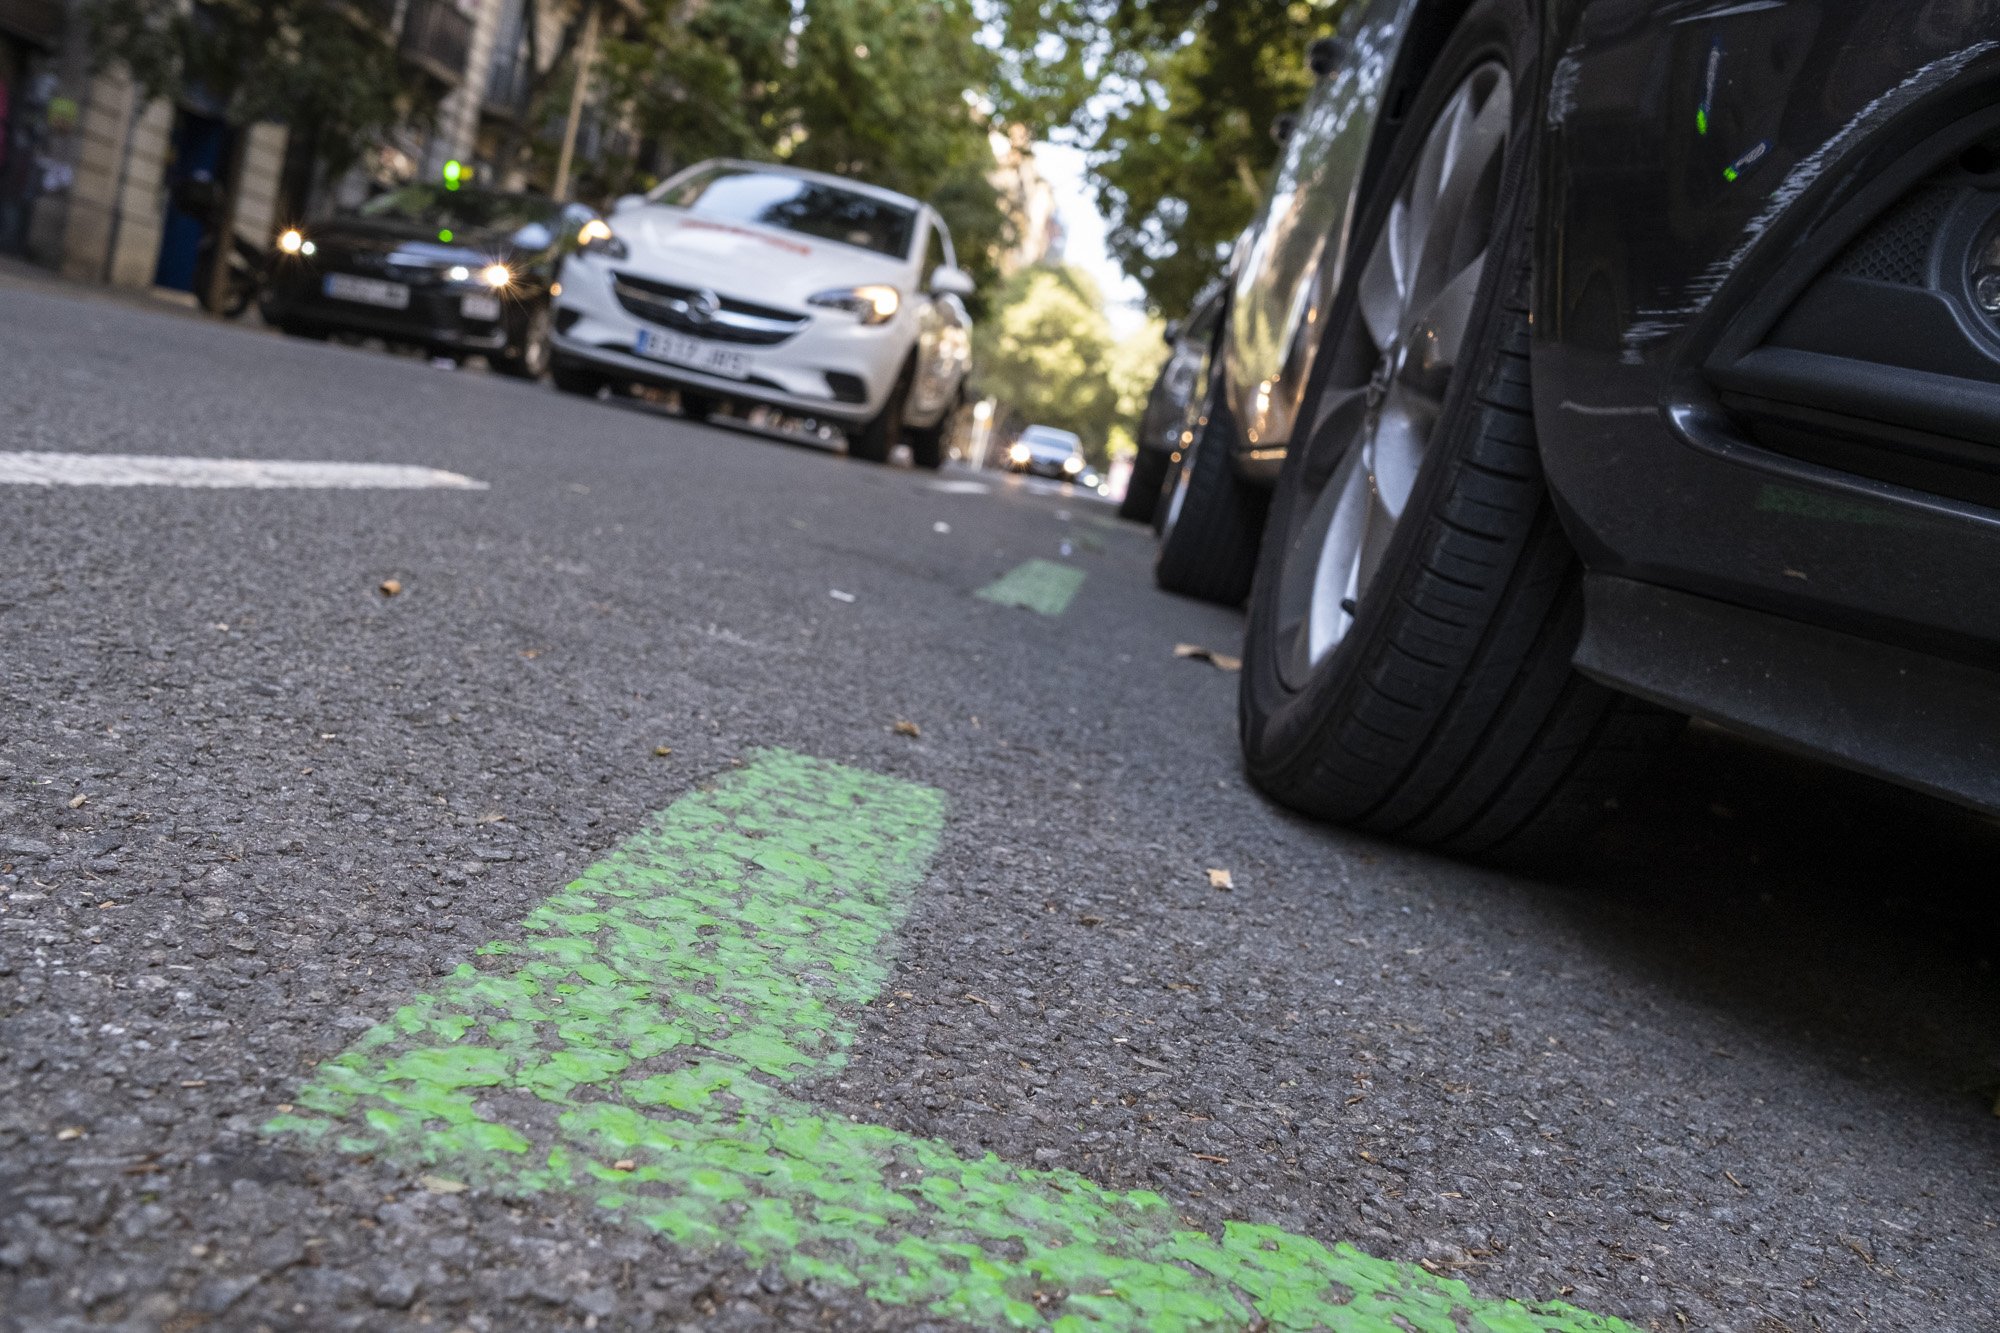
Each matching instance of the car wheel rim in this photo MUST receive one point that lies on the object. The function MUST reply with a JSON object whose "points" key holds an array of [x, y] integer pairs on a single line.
{"points": [[1391, 371]]}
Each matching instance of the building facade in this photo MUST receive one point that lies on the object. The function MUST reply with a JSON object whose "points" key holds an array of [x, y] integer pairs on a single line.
{"points": [[95, 178]]}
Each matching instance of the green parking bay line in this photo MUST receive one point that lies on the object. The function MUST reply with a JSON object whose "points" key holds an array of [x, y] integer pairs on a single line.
{"points": [[1039, 585], [630, 1048]]}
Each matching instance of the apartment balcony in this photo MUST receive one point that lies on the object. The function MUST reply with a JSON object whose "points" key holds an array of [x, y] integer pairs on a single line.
{"points": [[40, 21], [437, 39]]}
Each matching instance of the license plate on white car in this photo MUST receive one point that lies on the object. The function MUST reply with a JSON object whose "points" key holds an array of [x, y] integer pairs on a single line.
{"points": [[692, 353], [480, 307], [367, 291]]}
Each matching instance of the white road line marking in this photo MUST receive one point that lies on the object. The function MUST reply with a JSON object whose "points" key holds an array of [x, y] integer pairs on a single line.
{"points": [[961, 487], [53, 469]]}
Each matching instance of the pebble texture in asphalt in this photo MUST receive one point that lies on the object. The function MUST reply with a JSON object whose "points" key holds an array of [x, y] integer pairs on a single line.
{"points": [[1739, 1073]]}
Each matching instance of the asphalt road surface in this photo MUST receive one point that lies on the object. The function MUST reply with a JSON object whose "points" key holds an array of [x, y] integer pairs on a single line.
{"points": [[687, 903]]}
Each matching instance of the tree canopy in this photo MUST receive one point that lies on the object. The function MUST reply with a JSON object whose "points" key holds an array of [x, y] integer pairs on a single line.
{"points": [[1049, 356], [1173, 102], [301, 61]]}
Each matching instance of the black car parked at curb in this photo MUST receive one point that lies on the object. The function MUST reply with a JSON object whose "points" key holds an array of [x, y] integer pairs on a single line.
{"points": [[1601, 362], [457, 272], [1164, 421]]}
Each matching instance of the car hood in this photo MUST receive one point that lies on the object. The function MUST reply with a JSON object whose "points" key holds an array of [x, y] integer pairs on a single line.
{"points": [[743, 259], [412, 241]]}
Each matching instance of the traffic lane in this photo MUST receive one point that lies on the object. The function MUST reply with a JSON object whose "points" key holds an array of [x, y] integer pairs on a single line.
{"points": [[1091, 793]]}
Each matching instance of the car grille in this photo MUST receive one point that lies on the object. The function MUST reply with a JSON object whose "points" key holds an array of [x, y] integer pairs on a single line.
{"points": [[705, 314]]}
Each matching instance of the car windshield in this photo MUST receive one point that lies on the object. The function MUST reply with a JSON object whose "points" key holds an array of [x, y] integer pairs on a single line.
{"points": [[792, 203], [461, 210], [1045, 441]]}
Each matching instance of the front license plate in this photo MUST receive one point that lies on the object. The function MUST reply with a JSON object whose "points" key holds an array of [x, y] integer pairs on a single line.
{"points": [[367, 291], [480, 307], [693, 353]]}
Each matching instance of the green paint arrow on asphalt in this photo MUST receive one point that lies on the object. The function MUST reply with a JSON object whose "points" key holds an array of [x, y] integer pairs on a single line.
{"points": [[1042, 586], [630, 1047]]}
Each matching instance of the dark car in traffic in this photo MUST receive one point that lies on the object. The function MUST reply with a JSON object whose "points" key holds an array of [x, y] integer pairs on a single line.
{"points": [[1599, 363], [454, 271]]}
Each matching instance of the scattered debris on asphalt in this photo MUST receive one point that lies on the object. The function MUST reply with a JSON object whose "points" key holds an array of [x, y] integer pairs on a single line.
{"points": [[1194, 652], [942, 529], [662, 751], [1221, 879], [440, 1185], [905, 727], [392, 587], [840, 596]]}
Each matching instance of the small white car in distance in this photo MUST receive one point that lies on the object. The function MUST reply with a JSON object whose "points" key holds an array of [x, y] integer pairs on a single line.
{"points": [[749, 282]]}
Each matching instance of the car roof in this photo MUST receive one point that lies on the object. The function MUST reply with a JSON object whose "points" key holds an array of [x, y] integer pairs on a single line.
{"points": [[1050, 435], [823, 177]]}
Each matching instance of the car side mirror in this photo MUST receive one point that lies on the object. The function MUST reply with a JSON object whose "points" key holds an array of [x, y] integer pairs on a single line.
{"points": [[949, 281], [1173, 333], [627, 202], [1323, 57]]}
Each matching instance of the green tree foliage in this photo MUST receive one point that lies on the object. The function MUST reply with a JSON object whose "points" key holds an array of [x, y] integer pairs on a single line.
{"points": [[1173, 101], [887, 91], [1044, 353], [308, 63]]}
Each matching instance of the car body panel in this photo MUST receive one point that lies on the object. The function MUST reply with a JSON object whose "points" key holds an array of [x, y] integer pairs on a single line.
{"points": [[832, 367], [1286, 273], [1688, 147]]}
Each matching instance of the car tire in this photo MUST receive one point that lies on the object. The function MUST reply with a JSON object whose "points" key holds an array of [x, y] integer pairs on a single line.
{"points": [[579, 380], [1214, 521], [876, 439], [527, 354], [1142, 492], [1408, 672]]}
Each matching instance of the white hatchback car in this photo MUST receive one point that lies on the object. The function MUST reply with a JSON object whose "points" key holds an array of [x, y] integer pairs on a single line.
{"points": [[749, 282]]}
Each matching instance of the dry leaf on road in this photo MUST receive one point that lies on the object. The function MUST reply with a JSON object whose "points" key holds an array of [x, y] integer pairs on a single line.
{"points": [[1221, 879], [904, 727], [661, 751], [1220, 661], [391, 587]]}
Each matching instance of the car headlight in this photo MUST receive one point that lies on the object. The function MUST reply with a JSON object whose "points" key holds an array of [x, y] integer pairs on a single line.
{"points": [[1072, 465], [292, 241], [596, 237], [872, 304], [497, 276], [1018, 454]]}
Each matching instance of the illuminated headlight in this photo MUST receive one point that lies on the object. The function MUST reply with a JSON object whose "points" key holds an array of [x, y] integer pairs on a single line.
{"points": [[292, 241], [458, 273], [873, 304], [1072, 465], [1018, 454], [596, 237], [497, 276]]}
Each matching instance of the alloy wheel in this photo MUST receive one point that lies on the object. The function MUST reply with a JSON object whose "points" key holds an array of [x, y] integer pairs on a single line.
{"points": [[1392, 368]]}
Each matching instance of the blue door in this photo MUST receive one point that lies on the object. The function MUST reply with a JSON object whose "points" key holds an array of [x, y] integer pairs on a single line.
{"points": [[199, 157]]}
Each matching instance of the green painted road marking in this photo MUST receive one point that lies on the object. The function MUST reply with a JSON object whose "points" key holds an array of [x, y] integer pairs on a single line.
{"points": [[1040, 585], [628, 1050]]}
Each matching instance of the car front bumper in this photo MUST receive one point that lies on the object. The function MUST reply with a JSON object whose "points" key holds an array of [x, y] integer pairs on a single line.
{"points": [[834, 368], [435, 317]]}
